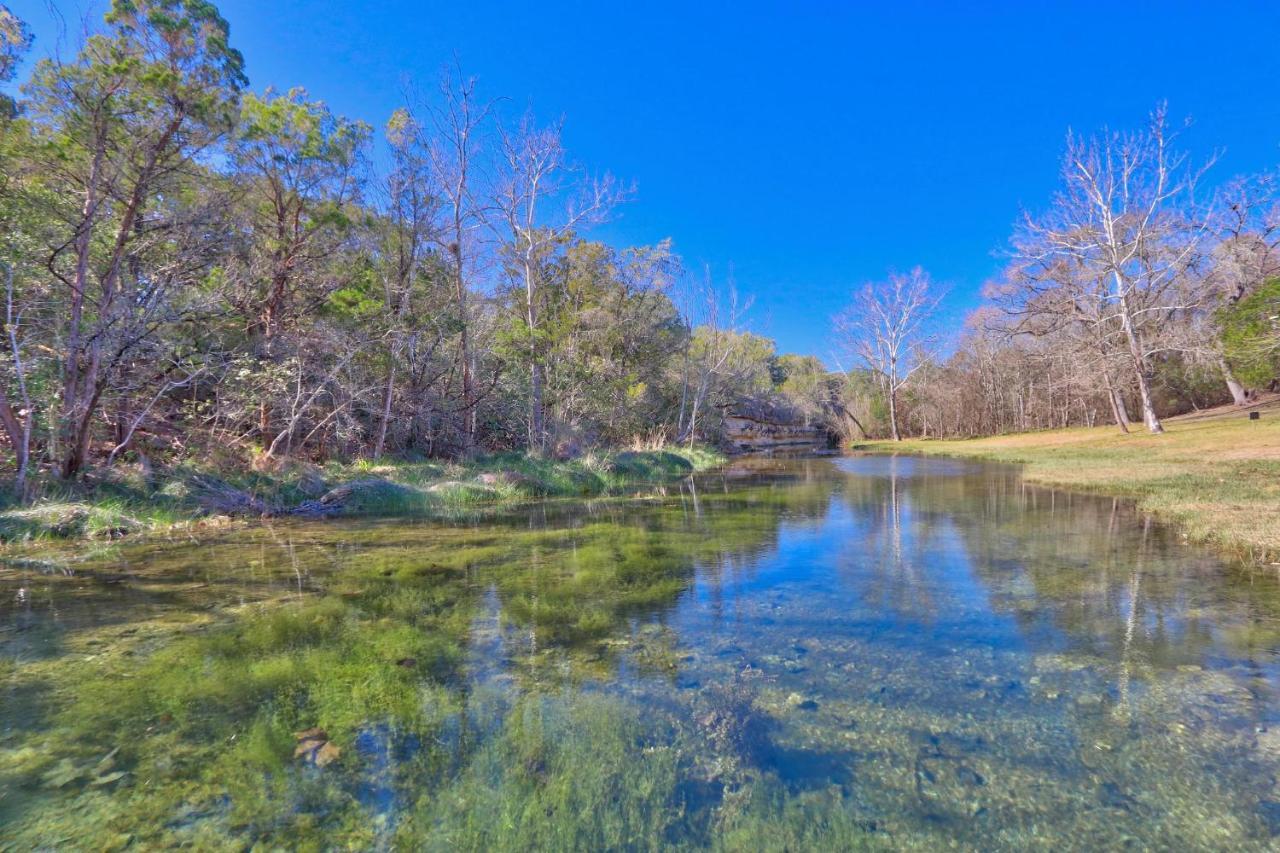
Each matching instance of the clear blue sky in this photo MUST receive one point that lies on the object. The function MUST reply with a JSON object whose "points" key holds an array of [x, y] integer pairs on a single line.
{"points": [[811, 146]]}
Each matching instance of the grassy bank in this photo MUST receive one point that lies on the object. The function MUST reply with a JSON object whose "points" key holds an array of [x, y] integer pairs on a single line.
{"points": [[123, 501], [1214, 474]]}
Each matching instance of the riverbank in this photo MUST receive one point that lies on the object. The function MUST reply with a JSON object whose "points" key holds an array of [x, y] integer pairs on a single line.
{"points": [[123, 501], [1216, 474]]}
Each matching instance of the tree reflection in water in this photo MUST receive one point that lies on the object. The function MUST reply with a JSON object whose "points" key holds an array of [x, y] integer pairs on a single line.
{"points": [[803, 653]]}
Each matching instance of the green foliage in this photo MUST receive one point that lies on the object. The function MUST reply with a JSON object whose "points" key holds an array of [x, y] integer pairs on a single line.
{"points": [[292, 133], [1183, 384], [1251, 335], [15, 40], [199, 272], [607, 335], [805, 382]]}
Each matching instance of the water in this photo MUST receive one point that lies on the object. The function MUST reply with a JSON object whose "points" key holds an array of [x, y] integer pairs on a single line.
{"points": [[810, 654]]}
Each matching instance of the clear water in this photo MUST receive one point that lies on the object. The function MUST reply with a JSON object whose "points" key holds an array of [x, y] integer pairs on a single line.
{"points": [[809, 654]]}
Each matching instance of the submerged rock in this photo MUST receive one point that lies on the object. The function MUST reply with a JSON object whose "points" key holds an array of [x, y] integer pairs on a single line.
{"points": [[801, 703], [326, 754], [315, 747], [1111, 796], [1269, 812]]}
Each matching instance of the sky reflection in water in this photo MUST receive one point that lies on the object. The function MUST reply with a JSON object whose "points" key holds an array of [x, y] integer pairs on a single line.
{"points": [[866, 651]]}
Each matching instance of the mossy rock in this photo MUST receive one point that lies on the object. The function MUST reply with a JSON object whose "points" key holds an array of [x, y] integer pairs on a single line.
{"points": [[584, 482], [65, 521], [369, 495], [649, 464], [455, 491], [521, 483]]}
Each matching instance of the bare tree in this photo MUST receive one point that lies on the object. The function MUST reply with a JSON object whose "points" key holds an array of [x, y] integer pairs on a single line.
{"points": [[712, 352], [459, 121], [884, 329], [1127, 215], [541, 200], [1063, 302]]}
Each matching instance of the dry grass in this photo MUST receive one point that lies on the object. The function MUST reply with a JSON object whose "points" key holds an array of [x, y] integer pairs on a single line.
{"points": [[1216, 474]]}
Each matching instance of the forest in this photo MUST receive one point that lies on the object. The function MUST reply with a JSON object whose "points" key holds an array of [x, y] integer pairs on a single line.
{"points": [[197, 271]]}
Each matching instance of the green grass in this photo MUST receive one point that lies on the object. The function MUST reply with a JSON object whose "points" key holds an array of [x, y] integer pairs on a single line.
{"points": [[120, 502], [1216, 475]]}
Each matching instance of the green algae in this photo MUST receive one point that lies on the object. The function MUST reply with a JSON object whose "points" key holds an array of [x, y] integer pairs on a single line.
{"points": [[779, 656]]}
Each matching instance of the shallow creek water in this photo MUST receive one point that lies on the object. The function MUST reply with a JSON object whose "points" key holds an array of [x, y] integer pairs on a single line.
{"points": [[841, 653]]}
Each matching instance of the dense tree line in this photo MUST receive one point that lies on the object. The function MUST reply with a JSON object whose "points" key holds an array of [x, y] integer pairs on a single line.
{"points": [[190, 265]]}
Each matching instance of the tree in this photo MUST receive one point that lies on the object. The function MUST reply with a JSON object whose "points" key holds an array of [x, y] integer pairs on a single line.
{"points": [[459, 123], [405, 231], [18, 422], [1251, 335], [541, 200], [720, 361], [297, 170], [1068, 307], [885, 330], [1126, 215], [136, 107], [15, 39], [807, 385], [1246, 257], [609, 330]]}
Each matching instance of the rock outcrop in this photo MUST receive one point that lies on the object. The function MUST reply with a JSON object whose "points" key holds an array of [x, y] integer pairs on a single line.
{"points": [[751, 434]]}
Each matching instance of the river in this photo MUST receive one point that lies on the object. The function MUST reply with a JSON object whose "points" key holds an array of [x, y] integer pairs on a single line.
{"points": [[817, 653]]}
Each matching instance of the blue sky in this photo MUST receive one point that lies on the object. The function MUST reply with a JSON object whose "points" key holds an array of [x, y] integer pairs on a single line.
{"points": [[809, 146]]}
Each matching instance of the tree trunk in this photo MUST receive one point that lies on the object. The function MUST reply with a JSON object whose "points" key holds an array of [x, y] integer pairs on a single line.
{"points": [[18, 439], [78, 451], [893, 414], [387, 397], [854, 420], [537, 418], [1239, 395], [464, 344], [78, 415], [1140, 367], [1118, 409], [19, 431]]}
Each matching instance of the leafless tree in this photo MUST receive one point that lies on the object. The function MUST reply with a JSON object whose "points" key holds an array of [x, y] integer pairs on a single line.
{"points": [[459, 122], [1066, 304], [1127, 215], [884, 330], [712, 352], [542, 199]]}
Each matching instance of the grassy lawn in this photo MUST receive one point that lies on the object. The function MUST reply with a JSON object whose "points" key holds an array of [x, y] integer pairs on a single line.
{"points": [[119, 502], [1214, 474]]}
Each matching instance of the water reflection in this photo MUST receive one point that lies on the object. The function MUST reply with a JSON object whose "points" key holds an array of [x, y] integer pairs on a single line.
{"points": [[788, 653]]}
